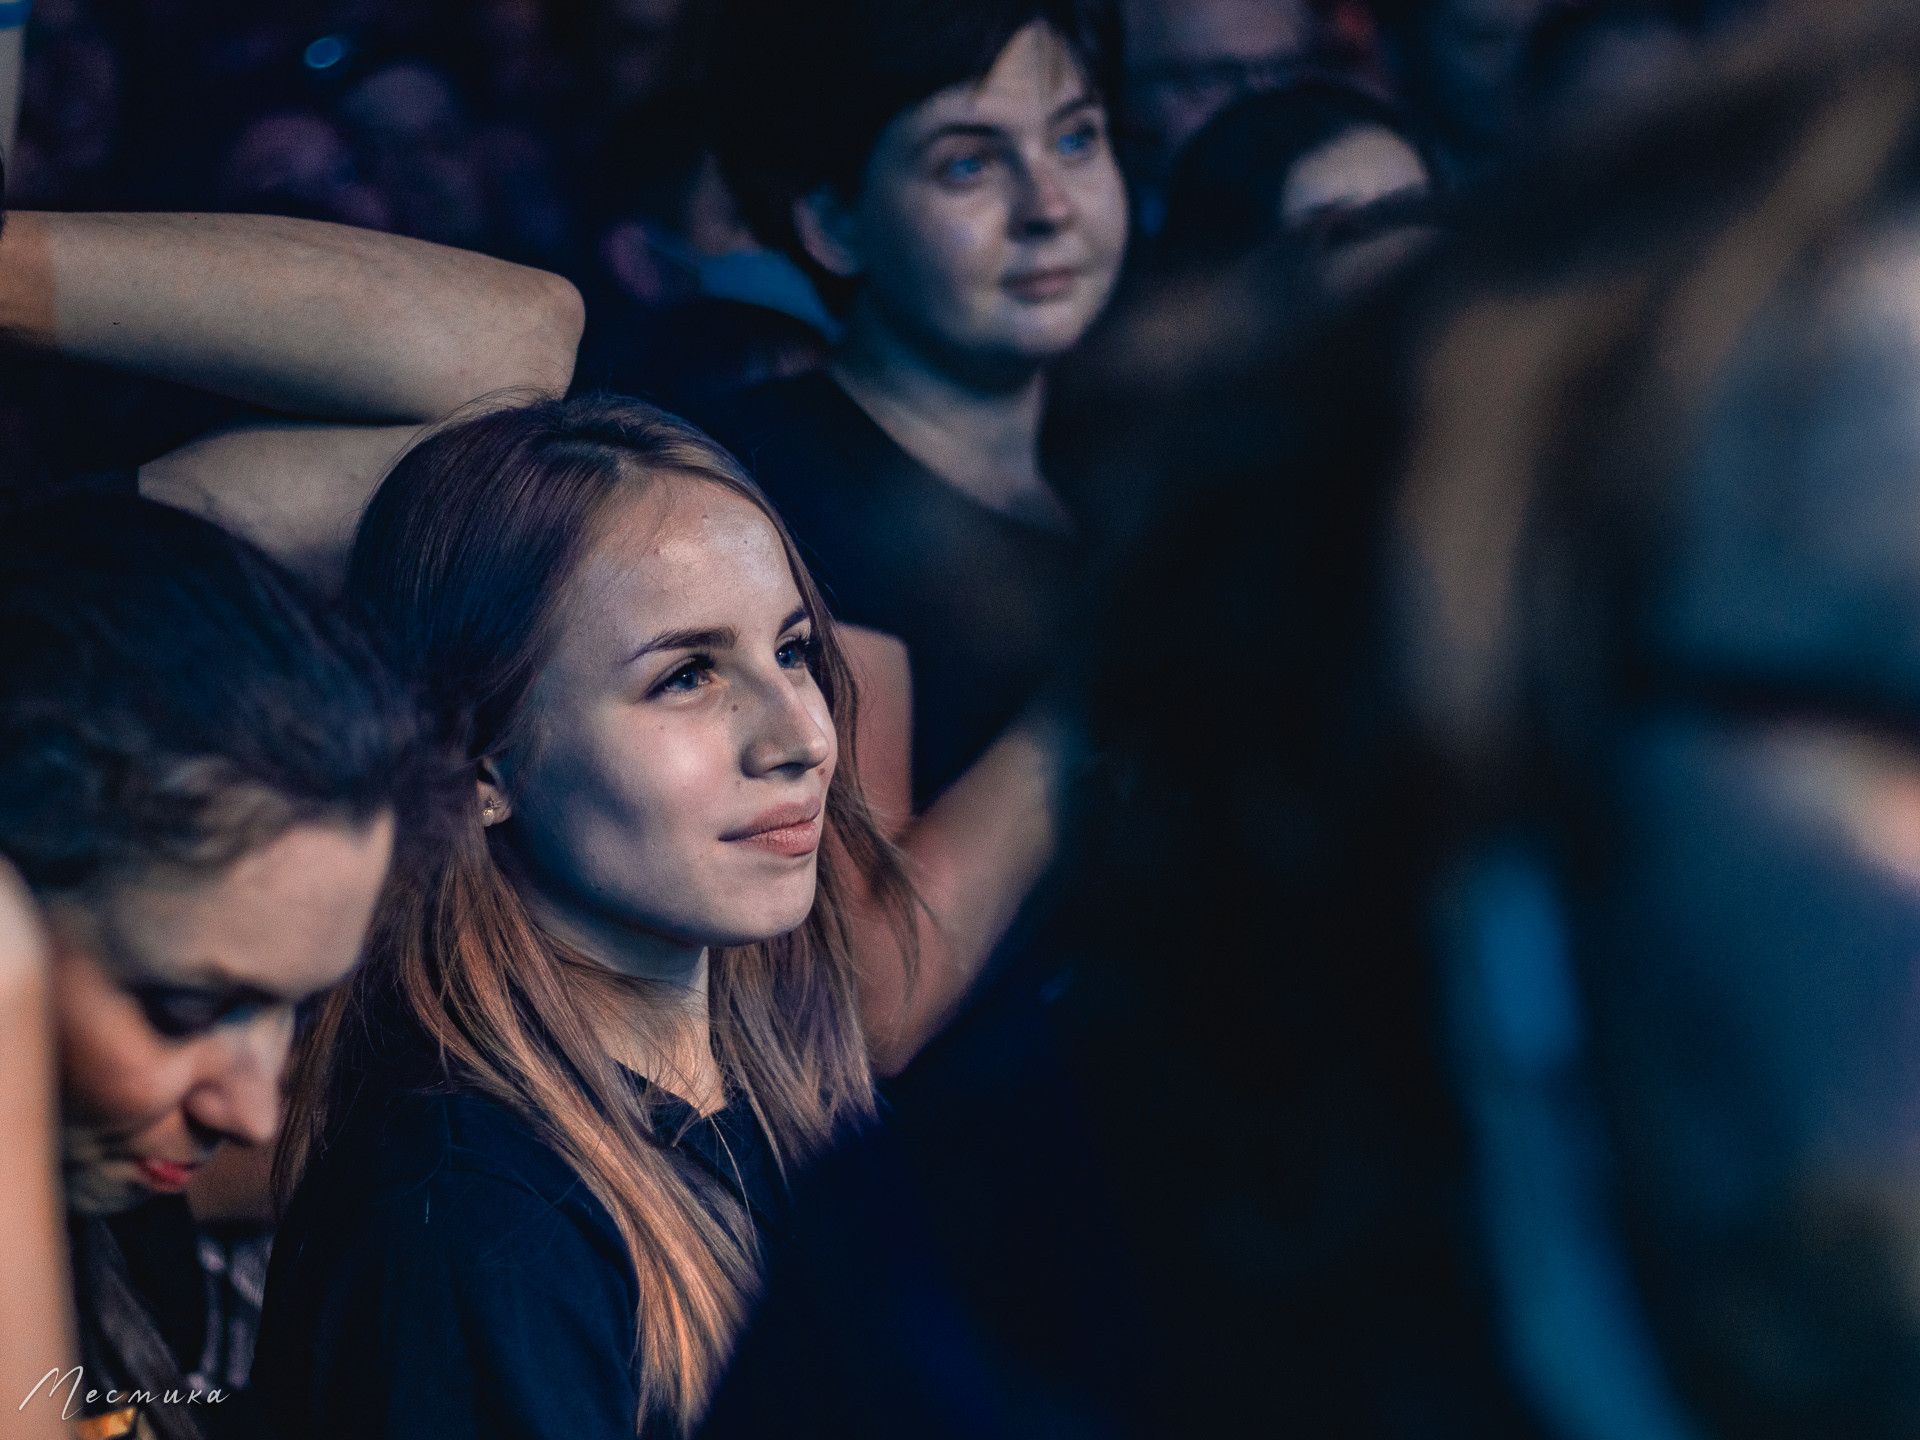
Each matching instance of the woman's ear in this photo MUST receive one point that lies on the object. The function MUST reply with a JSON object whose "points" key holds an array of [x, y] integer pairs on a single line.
{"points": [[494, 805], [826, 229]]}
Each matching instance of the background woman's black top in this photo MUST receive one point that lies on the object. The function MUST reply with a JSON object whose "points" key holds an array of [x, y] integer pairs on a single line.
{"points": [[443, 1272], [980, 599]]}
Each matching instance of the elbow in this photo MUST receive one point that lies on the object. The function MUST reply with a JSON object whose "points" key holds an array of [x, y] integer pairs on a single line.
{"points": [[535, 336], [556, 318]]}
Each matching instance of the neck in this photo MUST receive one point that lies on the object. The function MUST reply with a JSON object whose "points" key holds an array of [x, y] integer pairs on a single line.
{"points": [[658, 1027], [980, 434]]}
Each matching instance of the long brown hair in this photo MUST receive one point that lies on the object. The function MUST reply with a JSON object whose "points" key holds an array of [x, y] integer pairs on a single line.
{"points": [[463, 560]]}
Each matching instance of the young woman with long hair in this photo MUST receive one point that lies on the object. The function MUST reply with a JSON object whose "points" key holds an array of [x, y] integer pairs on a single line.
{"points": [[541, 1136]]}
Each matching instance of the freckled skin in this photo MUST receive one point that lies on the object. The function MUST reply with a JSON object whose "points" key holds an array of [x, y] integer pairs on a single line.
{"points": [[286, 920], [639, 770]]}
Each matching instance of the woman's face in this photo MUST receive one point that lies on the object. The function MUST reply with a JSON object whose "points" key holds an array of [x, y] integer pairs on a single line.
{"points": [[1357, 167], [673, 789], [991, 219], [173, 1003]]}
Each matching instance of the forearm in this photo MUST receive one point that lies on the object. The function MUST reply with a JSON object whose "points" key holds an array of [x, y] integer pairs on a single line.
{"points": [[33, 1269], [974, 857], [309, 319]]}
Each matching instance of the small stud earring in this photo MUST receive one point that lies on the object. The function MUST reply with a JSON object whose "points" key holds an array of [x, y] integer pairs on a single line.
{"points": [[489, 812]]}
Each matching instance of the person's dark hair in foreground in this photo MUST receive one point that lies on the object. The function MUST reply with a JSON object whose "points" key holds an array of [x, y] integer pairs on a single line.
{"points": [[542, 1132], [200, 772], [1661, 595]]}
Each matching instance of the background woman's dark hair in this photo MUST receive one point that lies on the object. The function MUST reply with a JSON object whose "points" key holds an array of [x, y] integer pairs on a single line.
{"points": [[1225, 196], [170, 695], [802, 89]]}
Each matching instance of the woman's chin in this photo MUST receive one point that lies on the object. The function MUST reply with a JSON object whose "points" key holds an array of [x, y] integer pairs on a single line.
{"points": [[107, 1189]]}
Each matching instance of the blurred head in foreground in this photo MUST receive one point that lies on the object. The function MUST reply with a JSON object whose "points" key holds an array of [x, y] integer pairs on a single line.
{"points": [[1321, 161], [199, 773], [1662, 588]]}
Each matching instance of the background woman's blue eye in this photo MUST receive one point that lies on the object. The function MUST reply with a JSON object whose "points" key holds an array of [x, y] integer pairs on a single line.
{"points": [[796, 653], [963, 167], [1078, 141]]}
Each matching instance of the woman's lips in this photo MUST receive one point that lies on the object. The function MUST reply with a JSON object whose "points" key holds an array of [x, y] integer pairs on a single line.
{"points": [[1042, 284], [790, 830], [165, 1176]]}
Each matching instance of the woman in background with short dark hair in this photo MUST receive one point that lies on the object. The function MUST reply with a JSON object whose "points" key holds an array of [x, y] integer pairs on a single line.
{"points": [[944, 173]]}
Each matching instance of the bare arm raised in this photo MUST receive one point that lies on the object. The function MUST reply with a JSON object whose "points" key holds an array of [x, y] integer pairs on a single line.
{"points": [[356, 339], [973, 855]]}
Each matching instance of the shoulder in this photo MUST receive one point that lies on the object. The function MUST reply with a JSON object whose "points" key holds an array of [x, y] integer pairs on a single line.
{"points": [[442, 1272], [469, 1153]]}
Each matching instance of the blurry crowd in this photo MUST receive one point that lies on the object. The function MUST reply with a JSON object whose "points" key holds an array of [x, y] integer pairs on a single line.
{"points": [[576, 136]]}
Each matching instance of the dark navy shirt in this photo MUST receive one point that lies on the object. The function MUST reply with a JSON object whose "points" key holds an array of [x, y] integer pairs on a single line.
{"points": [[443, 1272], [981, 600]]}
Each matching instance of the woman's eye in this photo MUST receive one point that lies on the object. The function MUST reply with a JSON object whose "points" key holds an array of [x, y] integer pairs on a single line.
{"points": [[689, 676], [1080, 141], [798, 653], [964, 168], [179, 1012]]}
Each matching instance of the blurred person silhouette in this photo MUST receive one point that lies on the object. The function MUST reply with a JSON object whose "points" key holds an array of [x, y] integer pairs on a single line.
{"points": [[1457, 64], [359, 332], [1659, 589], [1187, 60], [692, 307], [299, 164], [1585, 65], [1320, 158], [421, 152], [943, 172]]}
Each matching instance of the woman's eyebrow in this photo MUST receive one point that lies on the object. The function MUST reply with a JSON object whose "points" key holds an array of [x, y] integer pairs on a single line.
{"points": [[981, 130], [1085, 100], [724, 637]]}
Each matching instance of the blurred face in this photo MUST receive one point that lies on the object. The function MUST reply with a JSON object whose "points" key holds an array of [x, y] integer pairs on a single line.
{"points": [[173, 1004], [991, 219], [1187, 60], [1753, 956], [1471, 52], [1354, 169], [673, 794]]}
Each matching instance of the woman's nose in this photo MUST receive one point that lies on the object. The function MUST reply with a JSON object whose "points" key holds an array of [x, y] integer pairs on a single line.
{"points": [[1043, 203], [238, 1095], [789, 733]]}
